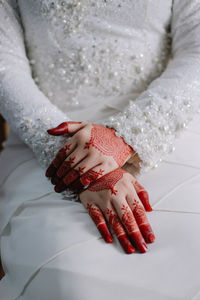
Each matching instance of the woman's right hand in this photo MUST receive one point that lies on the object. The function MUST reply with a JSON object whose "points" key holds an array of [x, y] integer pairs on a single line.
{"points": [[113, 198]]}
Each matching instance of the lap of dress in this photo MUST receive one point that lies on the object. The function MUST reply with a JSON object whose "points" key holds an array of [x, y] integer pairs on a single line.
{"points": [[51, 249]]}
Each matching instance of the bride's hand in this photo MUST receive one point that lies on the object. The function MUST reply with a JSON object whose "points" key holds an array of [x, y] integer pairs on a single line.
{"points": [[91, 152], [113, 198]]}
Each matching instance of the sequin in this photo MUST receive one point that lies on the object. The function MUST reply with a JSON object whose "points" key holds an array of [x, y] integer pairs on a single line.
{"points": [[100, 49]]}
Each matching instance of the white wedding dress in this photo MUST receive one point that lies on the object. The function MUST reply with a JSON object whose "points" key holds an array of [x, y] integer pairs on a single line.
{"points": [[130, 65]]}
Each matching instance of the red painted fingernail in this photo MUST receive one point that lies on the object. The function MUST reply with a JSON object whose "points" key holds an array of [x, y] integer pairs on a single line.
{"points": [[138, 241], [108, 239], [151, 238], [144, 247], [105, 233], [60, 129], [148, 207], [126, 245], [144, 197]]}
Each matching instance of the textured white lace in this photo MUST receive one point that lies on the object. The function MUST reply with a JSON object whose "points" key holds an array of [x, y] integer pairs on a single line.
{"points": [[57, 57], [24, 106], [152, 122]]}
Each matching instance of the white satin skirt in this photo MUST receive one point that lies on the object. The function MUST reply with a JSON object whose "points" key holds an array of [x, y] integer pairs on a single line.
{"points": [[51, 250]]}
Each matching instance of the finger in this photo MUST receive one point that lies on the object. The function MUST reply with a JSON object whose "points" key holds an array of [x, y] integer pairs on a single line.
{"points": [[118, 229], [98, 218], [126, 216], [143, 195], [87, 178], [141, 218], [70, 162], [66, 127], [60, 157], [82, 171], [60, 187], [66, 166]]}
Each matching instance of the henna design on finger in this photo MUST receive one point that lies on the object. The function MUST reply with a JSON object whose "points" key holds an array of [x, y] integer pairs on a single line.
{"points": [[105, 140], [90, 176], [70, 177], [132, 228], [115, 223], [62, 128], [142, 221], [128, 219], [65, 167], [80, 170], [82, 181], [107, 182], [142, 194], [119, 231], [60, 156], [67, 147], [98, 219]]}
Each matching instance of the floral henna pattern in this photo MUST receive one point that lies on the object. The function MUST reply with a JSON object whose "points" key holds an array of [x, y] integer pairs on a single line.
{"points": [[66, 166], [90, 176], [142, 221], [98, 219], [119, 231], [139, 213], [105, 140], [114, 222], [142, 194], [95, 214], [128, 219], [71, 176], [86, 178], [107, 182], [61, 155], [132, 228]]}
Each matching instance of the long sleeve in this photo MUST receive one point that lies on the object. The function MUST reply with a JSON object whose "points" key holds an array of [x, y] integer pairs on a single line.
{"points": [[27, 110], [152, 122]]}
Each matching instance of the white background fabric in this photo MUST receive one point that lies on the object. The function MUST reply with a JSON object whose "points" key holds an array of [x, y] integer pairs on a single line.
{"points": [[52, 250]]}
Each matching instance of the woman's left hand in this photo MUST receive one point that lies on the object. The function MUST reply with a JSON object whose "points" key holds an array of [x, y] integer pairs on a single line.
{"points": [[91, 152]]}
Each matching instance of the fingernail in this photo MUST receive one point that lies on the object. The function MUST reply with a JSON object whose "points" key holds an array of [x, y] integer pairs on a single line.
{"points": [[130, 250], [151, 237], [108, 239], [126, 245], [144, 247], [148, 207]]}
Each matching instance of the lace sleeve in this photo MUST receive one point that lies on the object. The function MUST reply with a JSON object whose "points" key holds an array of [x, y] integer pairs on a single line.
{"points": [[151, 123], [23, 105]]}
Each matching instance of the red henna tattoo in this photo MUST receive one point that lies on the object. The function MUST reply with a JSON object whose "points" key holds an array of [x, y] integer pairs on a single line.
{"points": [[90, 176], [119, 231], [67, 147], [128, 219], [107, 182], [115, 223], [132, 228], [80, 170], [143, 195], [98, 219], [65, 167], [62, 128], [142, 221], [61, 155], [70, 177], [105, 140], [82, 181]]}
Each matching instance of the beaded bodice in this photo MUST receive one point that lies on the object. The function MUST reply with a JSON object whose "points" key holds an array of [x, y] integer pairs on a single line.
{"points": [[96, 48], [130, 65]]}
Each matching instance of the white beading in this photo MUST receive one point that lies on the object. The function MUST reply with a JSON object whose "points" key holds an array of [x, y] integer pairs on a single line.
{"points": [[58, 57]]}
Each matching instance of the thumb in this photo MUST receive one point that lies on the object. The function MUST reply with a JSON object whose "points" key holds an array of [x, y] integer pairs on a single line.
{"points": [[66, 127]]}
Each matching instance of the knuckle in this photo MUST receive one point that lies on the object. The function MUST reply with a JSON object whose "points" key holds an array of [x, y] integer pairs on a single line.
{"points": [[82, 136]]}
